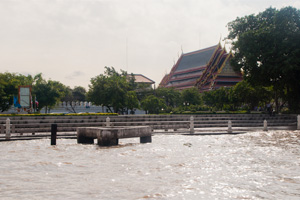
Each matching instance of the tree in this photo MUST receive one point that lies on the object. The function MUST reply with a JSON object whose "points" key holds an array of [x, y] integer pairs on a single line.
{"points": [[266, 48], [48, 93], [79, 93], [217, 98], [132, 101], [110, 89], [209, 99], [170, 95], [232, 98], [72, 96], [191, 96], [251, 96], [152, 104], [5, 99], [69, 99], [222, 97], [9, 83]]}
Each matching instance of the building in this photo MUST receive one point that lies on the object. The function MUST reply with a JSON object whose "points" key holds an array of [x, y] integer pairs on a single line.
{"points": [[206, 69], [141, 79]]}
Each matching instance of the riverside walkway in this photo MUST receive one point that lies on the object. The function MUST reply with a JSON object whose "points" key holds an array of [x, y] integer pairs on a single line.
{"points": [[36, 127]]}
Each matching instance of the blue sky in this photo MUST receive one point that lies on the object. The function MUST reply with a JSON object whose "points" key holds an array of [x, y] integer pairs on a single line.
{"points": [[72, 41]]}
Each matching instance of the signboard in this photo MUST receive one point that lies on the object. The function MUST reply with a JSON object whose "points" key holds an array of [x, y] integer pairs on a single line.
{"points": [[25, 96]]}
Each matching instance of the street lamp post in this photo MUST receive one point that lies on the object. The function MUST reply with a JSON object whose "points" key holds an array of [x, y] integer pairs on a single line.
{"points": [[186, 104]]}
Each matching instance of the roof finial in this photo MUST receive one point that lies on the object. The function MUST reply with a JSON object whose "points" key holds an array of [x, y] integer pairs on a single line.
{"points": [[181, 50], [227, 43]]}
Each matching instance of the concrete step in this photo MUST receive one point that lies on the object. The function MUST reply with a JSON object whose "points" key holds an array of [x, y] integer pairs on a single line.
{"points": [[102, 120], [70, 123], [142, 118]]}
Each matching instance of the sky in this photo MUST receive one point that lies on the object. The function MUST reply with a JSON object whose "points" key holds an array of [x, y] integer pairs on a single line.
{"points": [[71, 41]]}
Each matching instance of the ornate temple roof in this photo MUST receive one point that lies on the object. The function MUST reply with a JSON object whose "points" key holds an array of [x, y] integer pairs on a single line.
{"points": [[196, 58], [202, 68]]}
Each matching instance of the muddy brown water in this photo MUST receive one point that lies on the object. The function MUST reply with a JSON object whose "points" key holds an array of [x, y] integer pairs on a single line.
{"points": [[254, 165]]}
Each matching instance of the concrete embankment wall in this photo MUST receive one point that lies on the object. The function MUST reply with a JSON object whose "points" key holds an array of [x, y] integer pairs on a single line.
{"points": [[21, 125]]}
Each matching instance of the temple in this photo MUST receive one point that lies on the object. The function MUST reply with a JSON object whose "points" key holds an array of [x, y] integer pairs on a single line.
{"points": [[206, 69]]}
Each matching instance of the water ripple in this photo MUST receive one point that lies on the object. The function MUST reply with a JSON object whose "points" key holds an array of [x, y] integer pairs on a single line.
{"points": [[257, 165]]}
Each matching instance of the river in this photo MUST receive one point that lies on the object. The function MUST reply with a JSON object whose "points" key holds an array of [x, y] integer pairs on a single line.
{"points": [[254, 165]]}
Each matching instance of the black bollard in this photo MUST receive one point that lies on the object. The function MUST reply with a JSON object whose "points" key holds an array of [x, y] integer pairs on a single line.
{"points": [[53, 134]]}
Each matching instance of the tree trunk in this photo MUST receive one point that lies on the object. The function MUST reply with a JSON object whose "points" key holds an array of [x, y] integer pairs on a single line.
{"points": [[109, 109]]}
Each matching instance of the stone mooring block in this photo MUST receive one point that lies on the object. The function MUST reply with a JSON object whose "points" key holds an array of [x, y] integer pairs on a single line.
{"points": [[109, 136]]}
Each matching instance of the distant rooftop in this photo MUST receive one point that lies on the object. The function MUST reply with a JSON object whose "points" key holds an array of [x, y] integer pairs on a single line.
{"points": [[139, 78]]}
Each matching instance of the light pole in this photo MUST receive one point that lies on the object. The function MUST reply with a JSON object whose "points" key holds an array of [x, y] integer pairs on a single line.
{"points": [[185, 104]]}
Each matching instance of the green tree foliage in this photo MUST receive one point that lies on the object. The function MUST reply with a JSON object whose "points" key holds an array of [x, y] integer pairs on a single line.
{"points": [[143, 90], [132, 101], [48, 93], [79, 93], [72, 96], [222, 97], [191, 96], [110, 89], [266, 47], [152, 104], [217, 98], [170, 95], [209, 99], [242, 95], [76, 94], [68, 95], [251, 96], [9, 84], [4, 99]]}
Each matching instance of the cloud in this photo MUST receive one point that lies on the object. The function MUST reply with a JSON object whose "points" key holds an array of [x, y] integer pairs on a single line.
{"points": [[139, 36], [75, 75]]}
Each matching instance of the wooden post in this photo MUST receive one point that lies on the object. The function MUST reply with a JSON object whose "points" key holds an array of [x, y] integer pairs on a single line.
{"points": [[53, 134], [298, 122], [7, 135], [146, 139], [2, 128]]}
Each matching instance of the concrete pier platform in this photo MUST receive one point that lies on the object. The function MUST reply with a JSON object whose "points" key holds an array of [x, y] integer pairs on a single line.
{"points": [[108, 136]]}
